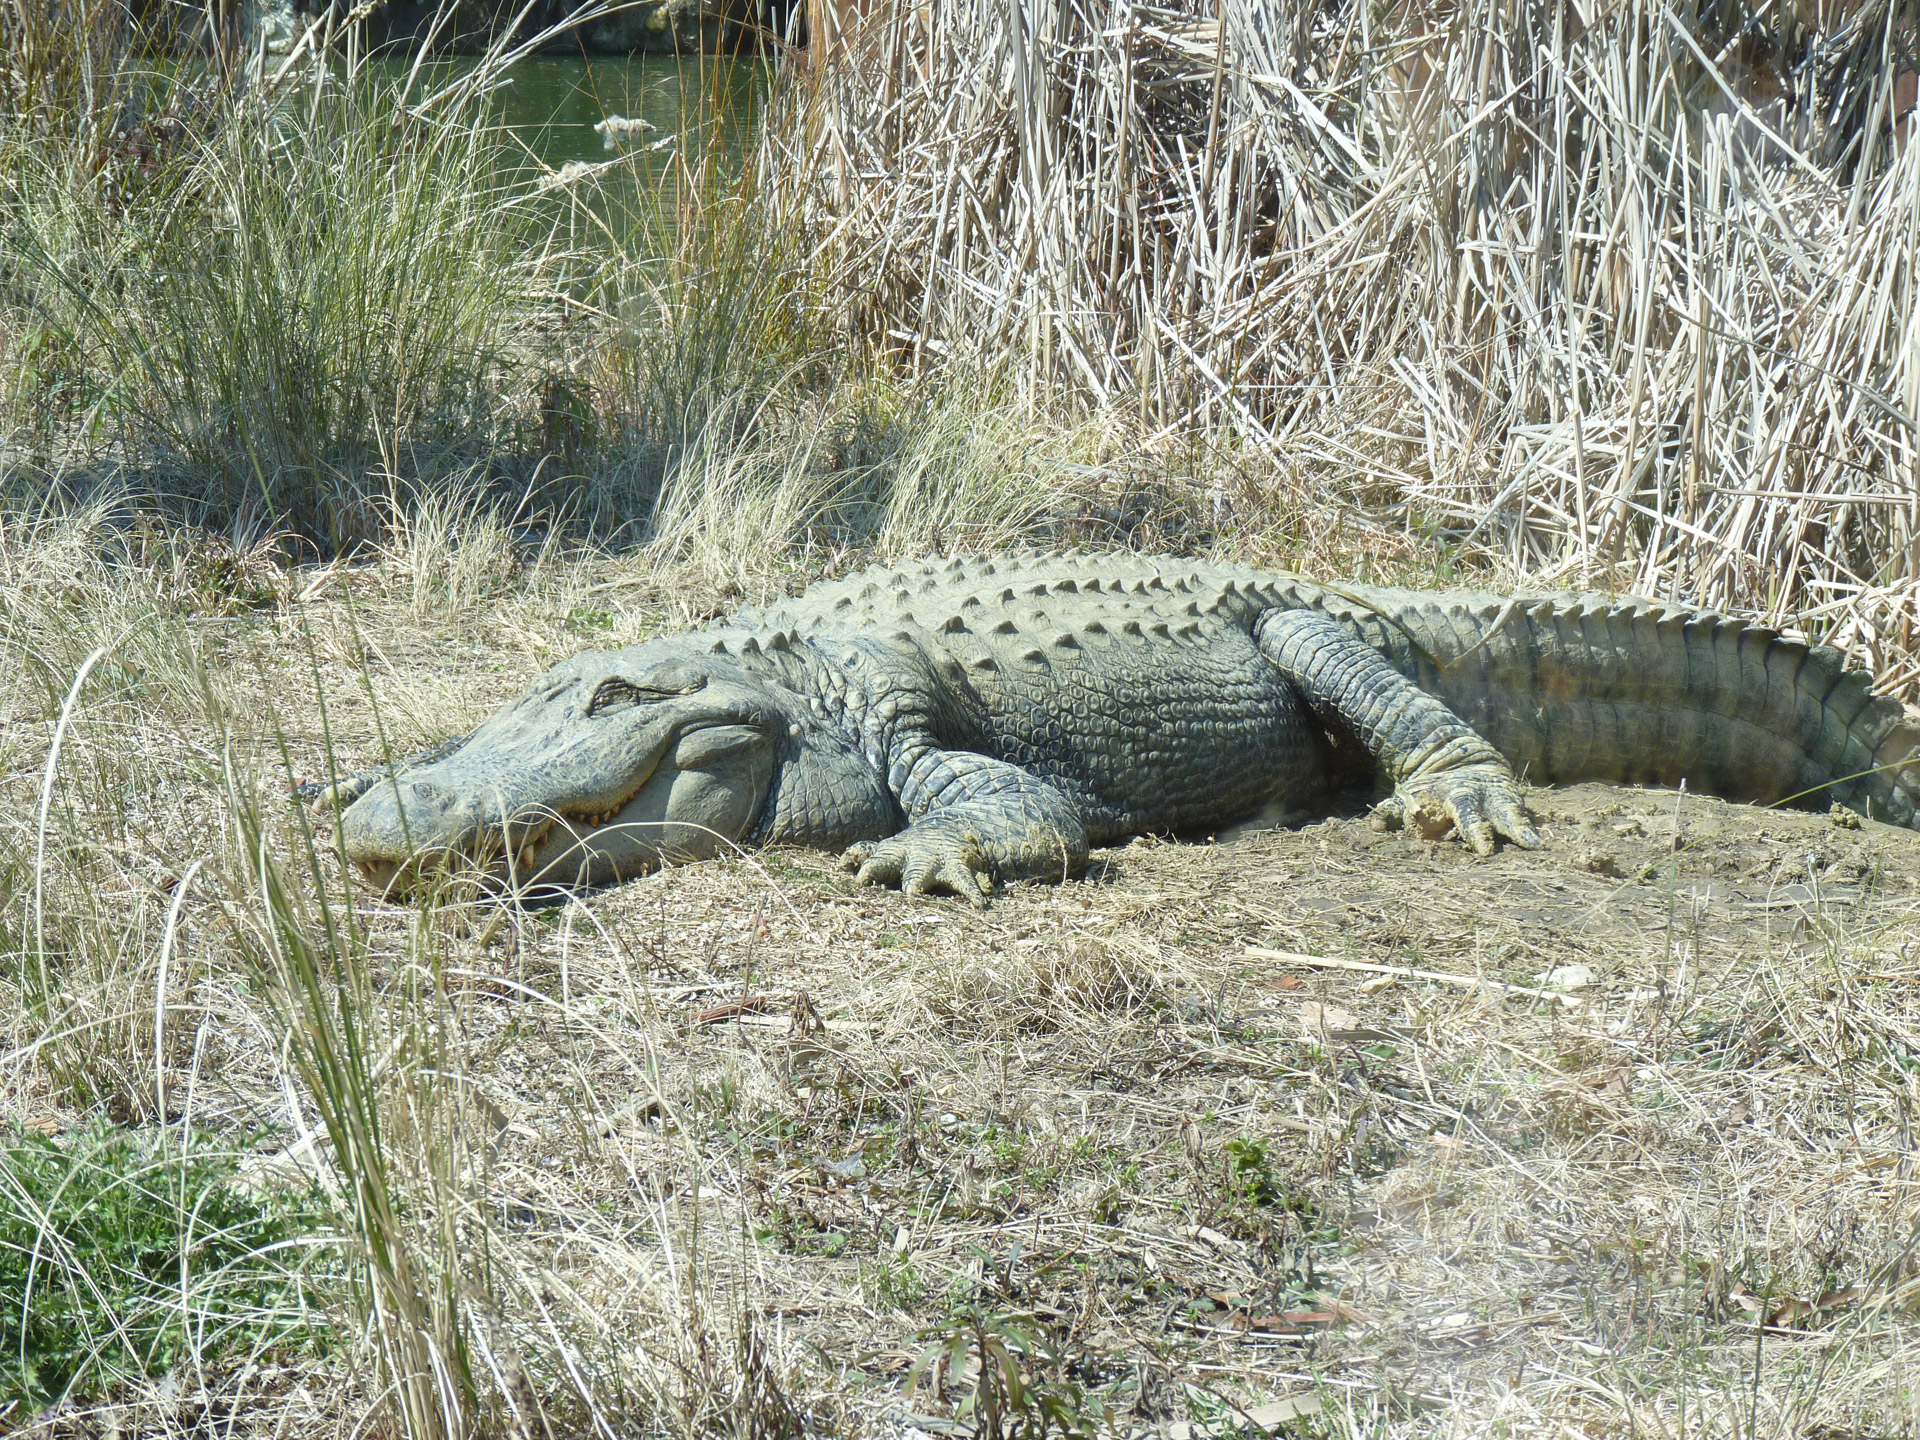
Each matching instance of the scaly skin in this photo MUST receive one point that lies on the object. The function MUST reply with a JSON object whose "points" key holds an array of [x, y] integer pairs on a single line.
{"points": [[953, 724]]}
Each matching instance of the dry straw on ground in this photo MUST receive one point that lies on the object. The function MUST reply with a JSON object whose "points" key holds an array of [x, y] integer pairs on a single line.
{"points": [[726, 1149]]}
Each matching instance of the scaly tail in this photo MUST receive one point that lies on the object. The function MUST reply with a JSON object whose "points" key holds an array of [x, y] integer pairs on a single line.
{"points": [[1587, 687]]}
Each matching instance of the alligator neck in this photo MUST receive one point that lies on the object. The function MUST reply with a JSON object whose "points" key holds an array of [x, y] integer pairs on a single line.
{"points": [[830, 788]]}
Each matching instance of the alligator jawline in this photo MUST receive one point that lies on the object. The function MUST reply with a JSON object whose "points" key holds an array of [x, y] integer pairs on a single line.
{"points": [[491, 847]]}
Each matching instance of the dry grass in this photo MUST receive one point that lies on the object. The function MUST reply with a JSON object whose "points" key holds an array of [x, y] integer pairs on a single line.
{"points": [[1616, 294], [716, 1151]]}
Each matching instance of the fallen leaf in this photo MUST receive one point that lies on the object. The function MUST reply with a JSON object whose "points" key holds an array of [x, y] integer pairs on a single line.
{"points": [[1784, 1317], [1293, 1322], [1284, 982], [1616, 1080], [733, 1009], [1343, 1313], [1793, 1311]]}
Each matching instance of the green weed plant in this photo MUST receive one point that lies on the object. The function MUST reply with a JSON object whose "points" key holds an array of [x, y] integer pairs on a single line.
{"points": [[120, 1259]]}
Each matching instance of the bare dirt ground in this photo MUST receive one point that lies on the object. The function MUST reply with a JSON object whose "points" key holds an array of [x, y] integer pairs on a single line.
{"points": [[1094, 1106], [1631, 1155]]}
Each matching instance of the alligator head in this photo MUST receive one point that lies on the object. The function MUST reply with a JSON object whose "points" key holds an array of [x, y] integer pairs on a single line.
{"points": [[611, 763]]}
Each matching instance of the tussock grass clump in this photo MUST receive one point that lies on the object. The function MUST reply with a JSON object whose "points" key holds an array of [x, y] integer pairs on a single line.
{"points": [[1043, 985], [320, 299], [878, 468]]}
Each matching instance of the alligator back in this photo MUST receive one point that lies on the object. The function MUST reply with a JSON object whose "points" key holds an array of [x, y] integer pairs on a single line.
{"points": [[1593, 687], [1567, 687]]}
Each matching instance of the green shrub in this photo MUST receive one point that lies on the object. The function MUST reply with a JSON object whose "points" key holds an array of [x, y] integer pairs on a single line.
{"points": [[119, 1260]]}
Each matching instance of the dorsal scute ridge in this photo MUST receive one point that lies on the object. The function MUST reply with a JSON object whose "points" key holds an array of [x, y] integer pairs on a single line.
{"points": [[1116, 586]]}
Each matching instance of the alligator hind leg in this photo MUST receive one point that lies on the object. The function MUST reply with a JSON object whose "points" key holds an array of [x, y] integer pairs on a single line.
{"points": [[1444, 774], [974, 820]]}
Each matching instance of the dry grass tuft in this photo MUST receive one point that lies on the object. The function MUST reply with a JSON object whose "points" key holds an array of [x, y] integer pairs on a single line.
{"points": [[1041, 985]]}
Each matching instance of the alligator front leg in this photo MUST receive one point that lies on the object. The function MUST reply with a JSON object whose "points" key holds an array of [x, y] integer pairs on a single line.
{"points": [[974, 820], [1442, 770]]}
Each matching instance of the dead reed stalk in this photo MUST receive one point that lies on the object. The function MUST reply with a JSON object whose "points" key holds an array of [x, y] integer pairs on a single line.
{"points": [[1614, 295]]}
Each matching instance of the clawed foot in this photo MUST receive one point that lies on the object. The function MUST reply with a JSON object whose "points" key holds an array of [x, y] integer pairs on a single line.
{"points": [[1479, 803], [922, 860], [324, 797]]}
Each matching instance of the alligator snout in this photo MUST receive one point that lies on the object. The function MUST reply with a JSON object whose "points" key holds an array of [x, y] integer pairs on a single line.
{"points": [[580, 782], [403, 830], [404, 825]]}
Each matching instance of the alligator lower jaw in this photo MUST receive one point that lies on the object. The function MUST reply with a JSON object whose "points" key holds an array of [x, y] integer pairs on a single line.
{"points": [[383, 877], [486, 862]]}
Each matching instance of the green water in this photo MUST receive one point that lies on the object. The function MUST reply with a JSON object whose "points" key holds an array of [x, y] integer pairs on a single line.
{"points": [[553, 105]]}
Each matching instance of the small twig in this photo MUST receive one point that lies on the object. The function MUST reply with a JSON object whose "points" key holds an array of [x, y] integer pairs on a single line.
{"points": [[733, 1009], [1465, 982]]}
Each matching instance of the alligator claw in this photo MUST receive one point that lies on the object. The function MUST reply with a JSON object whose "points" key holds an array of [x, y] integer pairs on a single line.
{"points": [[922, 864], [1479, 803]]}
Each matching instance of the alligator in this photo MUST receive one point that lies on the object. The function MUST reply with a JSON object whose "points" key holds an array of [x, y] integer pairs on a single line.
{"points": [[953, 725]]}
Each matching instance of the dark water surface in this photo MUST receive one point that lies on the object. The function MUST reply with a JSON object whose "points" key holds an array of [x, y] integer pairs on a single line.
{"points": [[703, 112], [553, 105]]}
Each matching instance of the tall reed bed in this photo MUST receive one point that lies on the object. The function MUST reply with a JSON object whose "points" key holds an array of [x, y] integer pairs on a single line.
{"points": [[1616, 294]]}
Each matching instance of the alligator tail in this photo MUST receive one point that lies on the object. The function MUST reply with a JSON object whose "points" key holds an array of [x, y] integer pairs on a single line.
{"points": [[1586, 687]]}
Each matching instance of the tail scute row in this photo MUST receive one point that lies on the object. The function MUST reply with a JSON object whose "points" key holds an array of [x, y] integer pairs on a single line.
{"points": [[1583, 687]]}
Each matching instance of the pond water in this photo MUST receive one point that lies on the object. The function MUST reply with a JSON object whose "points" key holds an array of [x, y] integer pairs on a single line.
{"points": [[554, 105], [643, 110]]}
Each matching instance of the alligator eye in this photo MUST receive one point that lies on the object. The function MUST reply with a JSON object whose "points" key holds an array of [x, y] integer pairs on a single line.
{"points": [[617, 694], [613, 693]]}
